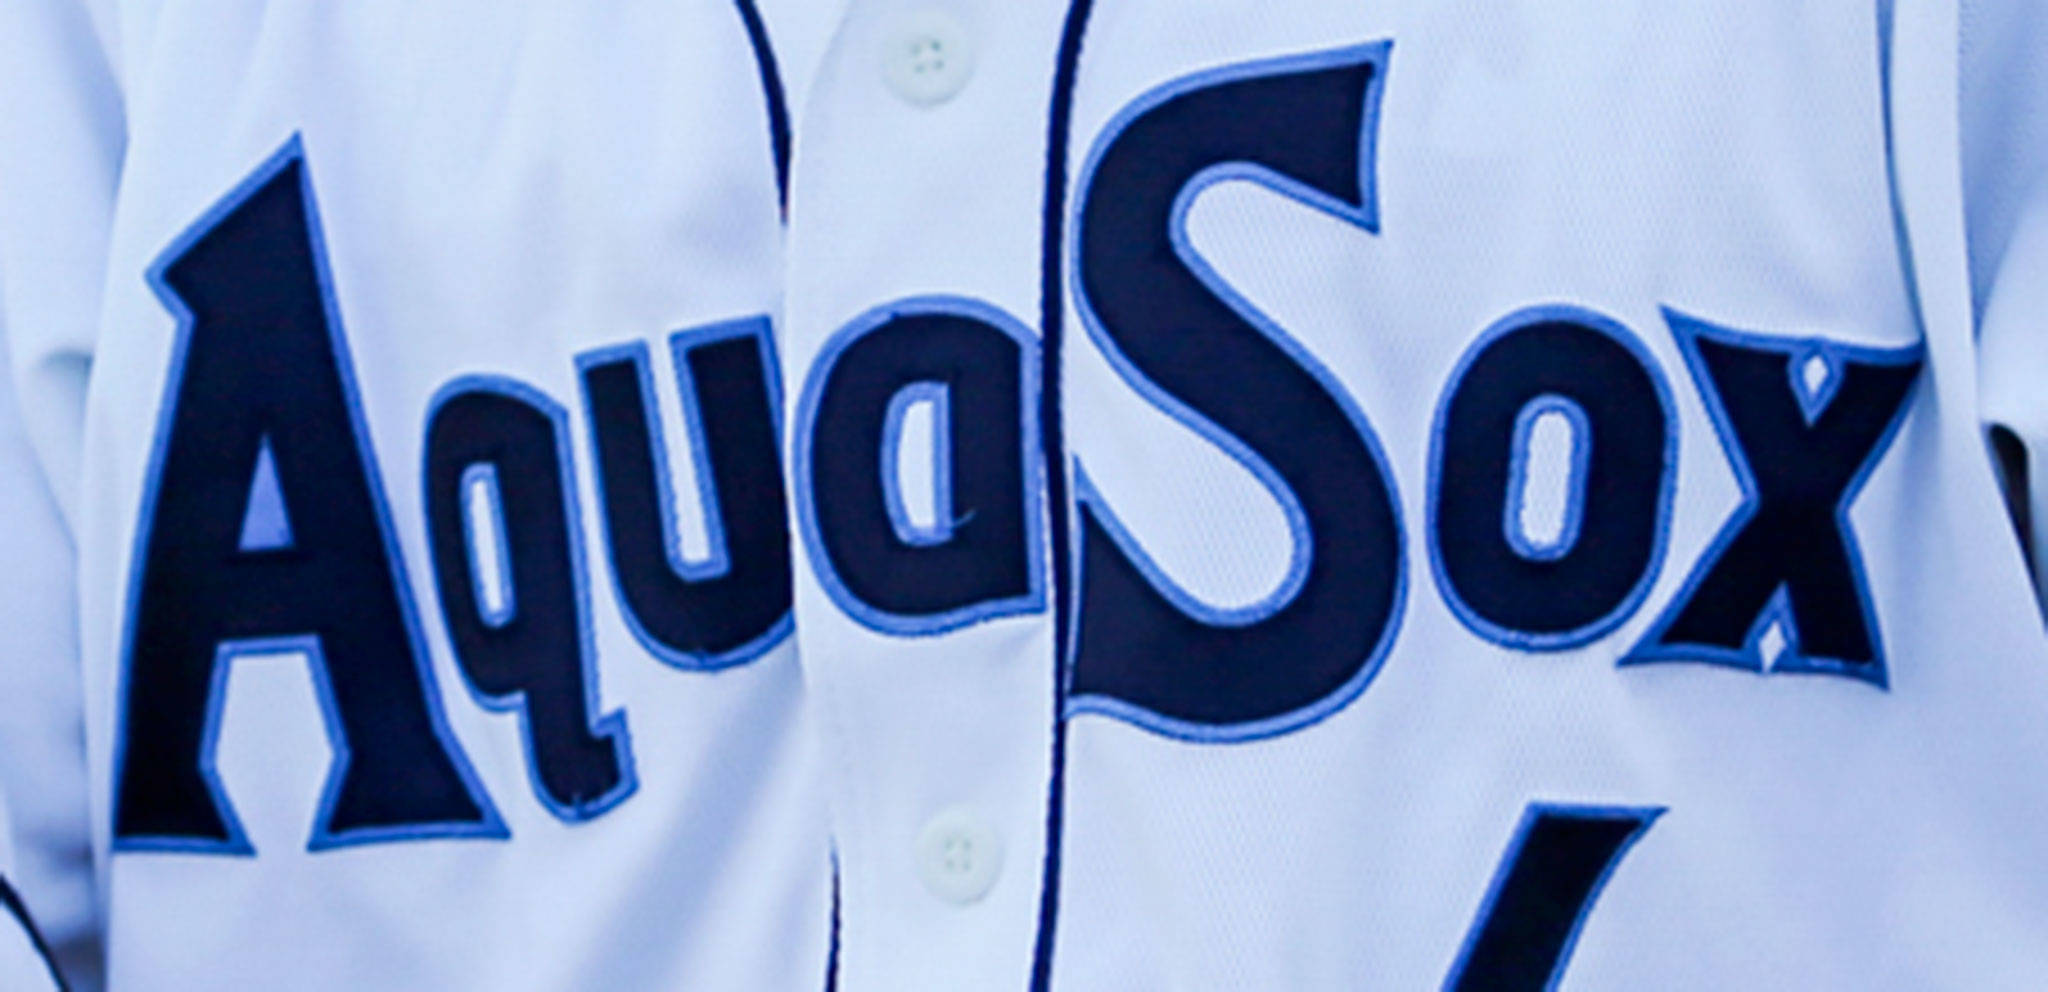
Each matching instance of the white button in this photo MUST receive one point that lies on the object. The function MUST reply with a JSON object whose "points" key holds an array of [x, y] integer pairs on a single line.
{"points": [[928, 57], [959, 856]]}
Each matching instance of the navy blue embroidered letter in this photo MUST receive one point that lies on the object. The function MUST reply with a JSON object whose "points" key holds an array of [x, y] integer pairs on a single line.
{"points": [[1803, 422], [264, 530], [1147, 650], [1577, 364], [975, 369], [733, 605], [519, 612]]}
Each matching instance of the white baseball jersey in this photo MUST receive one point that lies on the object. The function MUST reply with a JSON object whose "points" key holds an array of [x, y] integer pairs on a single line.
{"points": [[1271, 495], [1399, 495], [404, 375]]}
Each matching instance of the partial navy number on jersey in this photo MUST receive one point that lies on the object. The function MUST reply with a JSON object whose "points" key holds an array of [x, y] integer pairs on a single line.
{"points": [[266, 531], [1802, 422]]}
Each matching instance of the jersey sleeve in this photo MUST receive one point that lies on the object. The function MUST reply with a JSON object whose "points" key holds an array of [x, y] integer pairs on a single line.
{"points": [[2004, 131], [60, 150], [61, 128], [42, 743]]}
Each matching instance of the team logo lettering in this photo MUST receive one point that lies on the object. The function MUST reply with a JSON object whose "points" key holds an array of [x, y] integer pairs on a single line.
{"points": [[1803, 422], [921, 498], [969, 549], [265, 531], [299, 559]]}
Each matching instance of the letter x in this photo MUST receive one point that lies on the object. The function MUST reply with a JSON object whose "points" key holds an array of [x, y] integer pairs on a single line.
{"points": [[1803, 422]]}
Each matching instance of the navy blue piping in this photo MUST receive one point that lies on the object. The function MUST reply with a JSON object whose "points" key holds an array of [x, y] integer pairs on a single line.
{"points": [[1887, 15], [1053, 436], [778, 104], [11, 900], [832, 949]]}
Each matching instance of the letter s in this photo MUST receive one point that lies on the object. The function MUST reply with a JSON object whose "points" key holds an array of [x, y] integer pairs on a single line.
{"points": [[1146, 650]]}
